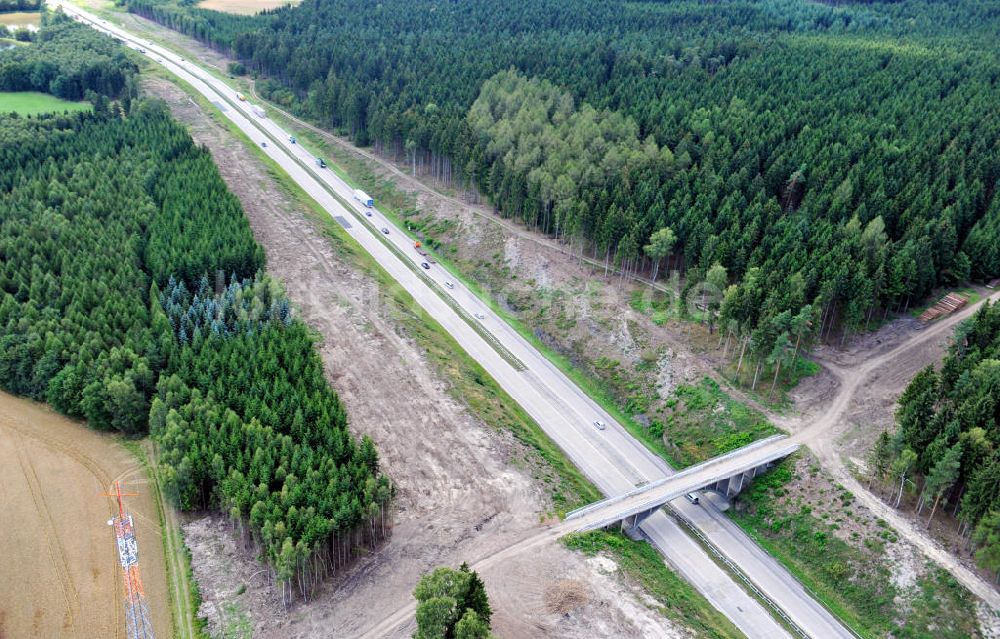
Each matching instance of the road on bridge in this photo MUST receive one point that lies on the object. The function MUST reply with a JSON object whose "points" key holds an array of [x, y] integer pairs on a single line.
{"points": [[611, 458]]}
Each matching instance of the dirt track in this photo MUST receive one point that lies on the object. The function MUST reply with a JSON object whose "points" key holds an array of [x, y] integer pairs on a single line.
{"points": [[841, 412], [60, 566]]}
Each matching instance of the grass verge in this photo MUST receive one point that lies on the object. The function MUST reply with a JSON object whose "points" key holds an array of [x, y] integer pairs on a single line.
{"points": [[567, 486], [704, 422], [677, 599], [844, 560], [470, 383]]}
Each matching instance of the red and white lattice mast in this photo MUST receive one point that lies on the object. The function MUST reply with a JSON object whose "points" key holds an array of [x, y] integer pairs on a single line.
{"points": [[137, 621]]}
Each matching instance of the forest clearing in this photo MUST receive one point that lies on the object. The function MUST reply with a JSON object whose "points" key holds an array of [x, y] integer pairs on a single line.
{"points": [[33, 103], [65, 579]]}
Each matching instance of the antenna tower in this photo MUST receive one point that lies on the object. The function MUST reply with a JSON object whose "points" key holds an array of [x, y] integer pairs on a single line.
{"points": [[137, 622]]}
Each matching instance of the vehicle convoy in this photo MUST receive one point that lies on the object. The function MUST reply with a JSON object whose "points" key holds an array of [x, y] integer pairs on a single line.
{"points": [[363, 197], [258, 111]]}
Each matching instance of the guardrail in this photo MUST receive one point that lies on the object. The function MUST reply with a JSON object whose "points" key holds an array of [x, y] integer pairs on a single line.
{"points": [[734, 569], [812, 593], [677, 475]]}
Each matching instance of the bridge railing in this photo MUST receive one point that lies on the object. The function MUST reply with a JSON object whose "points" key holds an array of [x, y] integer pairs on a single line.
{"points": [[579, 512]]}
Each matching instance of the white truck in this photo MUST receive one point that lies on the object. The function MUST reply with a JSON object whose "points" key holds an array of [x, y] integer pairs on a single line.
{"points": [[258, 111], [363, 197]]}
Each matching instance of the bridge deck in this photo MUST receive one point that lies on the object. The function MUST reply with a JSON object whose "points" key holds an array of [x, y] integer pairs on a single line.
{"points": [[653, 495]]}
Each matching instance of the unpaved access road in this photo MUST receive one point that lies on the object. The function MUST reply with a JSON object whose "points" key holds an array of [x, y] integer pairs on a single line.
{"points": [[859, 404], [61, 576]]}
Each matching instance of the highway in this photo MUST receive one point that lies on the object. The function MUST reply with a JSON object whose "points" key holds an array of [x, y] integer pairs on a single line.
{"points": [[613, 460], [690, 480]]}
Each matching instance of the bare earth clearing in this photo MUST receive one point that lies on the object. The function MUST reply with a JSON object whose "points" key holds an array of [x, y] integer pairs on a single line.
{"points": [[837, 413], [460, 494], [60, 565], [577, 311], [839, 421]]}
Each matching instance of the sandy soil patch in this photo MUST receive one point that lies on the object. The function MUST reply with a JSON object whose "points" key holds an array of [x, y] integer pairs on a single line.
{"points": [[62, 576]]}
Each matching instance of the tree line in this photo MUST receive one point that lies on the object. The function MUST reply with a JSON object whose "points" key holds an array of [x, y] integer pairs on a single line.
{"points": [[54, 64], [947, 441], [841, 158], [20, 5], [132, 295]]}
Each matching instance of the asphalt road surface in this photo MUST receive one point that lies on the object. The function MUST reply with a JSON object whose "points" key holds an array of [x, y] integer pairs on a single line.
{"points": [[613, 460]]}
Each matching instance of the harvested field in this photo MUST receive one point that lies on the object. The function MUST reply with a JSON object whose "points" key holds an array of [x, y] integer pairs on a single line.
{"points": [[244, 7], [21, 19], [60, 566]]}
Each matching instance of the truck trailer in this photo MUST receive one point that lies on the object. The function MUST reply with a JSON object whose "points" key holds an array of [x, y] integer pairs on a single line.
{"points": [[363, 197]]}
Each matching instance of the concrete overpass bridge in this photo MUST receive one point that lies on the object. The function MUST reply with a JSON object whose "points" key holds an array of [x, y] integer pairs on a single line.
{"points": [[727, 475]]}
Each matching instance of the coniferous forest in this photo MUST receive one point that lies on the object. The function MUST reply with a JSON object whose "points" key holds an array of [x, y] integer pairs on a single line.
{"points": [[132, 295], [836, 162], [948, 440], [55, 64]]}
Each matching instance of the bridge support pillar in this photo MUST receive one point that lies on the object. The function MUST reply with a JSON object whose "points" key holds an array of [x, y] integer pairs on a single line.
{"points": [[732, 486], [630, 525]]}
